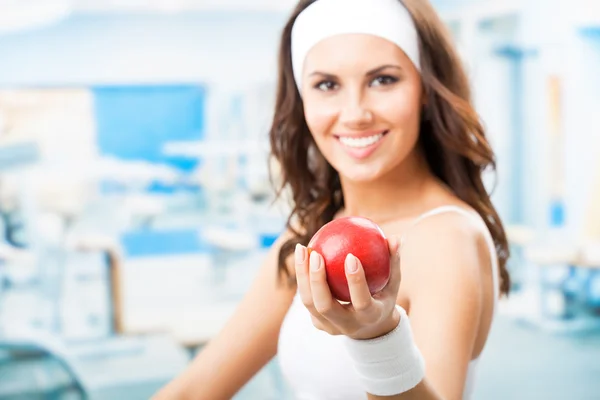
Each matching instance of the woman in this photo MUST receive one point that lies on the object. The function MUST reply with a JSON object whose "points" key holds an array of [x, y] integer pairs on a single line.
{"points": [[373, 118]]}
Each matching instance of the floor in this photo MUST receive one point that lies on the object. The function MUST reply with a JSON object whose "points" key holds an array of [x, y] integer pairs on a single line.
{"points": [[522, 363]]}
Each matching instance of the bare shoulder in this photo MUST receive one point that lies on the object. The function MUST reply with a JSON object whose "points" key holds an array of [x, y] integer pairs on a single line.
{"points": [[446, 252], [452, 220]]}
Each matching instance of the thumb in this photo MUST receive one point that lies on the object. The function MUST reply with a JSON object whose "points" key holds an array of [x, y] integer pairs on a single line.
{"points": [[394, 246], [395, 274]]}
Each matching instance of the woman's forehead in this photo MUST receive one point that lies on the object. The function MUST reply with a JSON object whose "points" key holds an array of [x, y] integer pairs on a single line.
{"points": [[354, 51]]}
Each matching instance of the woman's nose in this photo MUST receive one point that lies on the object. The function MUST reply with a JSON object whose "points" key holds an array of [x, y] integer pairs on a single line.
{"points": [[355, 114]]}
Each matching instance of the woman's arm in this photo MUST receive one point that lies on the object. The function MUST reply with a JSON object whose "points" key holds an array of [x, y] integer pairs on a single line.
{"points": [[445, 268], [244, 346]]}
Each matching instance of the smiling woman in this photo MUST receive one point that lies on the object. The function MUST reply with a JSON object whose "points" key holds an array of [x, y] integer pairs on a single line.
{"points": [[373, 118], [363, 112]]}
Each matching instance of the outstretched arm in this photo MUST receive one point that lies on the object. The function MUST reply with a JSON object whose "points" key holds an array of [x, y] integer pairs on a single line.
{"points": [[442, 288], [243, 347], [443, 276]]}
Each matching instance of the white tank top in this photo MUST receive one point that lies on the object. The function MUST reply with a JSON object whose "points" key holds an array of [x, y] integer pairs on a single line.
{"points": [[315, 364]]}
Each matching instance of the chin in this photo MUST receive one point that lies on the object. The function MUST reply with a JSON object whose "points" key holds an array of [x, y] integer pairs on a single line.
{"points": [[361, 173]]}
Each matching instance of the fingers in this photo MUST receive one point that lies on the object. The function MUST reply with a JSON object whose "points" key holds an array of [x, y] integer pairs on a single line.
{"points": [[365, 312], [394, 245], [395, 273], [314, 291], [323, 301], [357, 284], [327, 313], [302, 277]]}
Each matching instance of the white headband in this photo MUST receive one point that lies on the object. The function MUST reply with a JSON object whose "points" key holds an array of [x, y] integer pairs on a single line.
{"points": [[388, 19]]}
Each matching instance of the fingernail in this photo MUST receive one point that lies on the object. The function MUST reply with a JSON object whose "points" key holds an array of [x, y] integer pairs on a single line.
{"points": [[299, 254], [351, 264], [315, 261]]}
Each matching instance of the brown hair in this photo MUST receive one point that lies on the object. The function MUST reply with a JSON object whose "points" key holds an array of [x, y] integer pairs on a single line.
{"points": [[451, 135]]}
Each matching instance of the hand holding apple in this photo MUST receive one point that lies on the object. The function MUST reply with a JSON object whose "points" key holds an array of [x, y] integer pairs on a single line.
{"points": [[350, 260]]}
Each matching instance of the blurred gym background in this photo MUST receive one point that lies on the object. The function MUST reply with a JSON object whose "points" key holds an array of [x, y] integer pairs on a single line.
{"points": [[135, 203]]}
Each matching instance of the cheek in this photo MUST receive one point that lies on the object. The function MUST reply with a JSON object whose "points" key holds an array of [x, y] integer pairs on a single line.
{"points": [[404, 111], [320, 117], [403, 114]]}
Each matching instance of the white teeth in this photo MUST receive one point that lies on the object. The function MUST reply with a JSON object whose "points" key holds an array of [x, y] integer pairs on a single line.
{"points": [[361, 142]]}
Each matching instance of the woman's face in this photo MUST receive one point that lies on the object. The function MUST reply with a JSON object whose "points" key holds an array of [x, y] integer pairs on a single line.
{"points": [[362, 103]]}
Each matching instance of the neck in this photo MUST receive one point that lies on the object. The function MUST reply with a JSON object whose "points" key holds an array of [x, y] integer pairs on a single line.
{"points": [[406, 184]]}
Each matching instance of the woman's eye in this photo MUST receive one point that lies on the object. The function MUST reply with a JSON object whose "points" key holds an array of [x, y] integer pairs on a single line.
{"points": [[384, 80], [326, 86]]}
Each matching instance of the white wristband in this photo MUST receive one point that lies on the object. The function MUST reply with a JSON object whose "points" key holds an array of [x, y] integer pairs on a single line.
{"points": [[390, 364]]}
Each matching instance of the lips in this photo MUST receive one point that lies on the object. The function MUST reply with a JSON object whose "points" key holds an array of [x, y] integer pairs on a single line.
{"points": [[363, 145]]}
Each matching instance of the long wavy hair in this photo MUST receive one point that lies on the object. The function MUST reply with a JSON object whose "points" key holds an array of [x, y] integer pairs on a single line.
{"points": [[451, 136]]}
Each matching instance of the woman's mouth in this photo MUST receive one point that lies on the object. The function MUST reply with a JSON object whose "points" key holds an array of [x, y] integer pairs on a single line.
{"points": [[363, 146]]}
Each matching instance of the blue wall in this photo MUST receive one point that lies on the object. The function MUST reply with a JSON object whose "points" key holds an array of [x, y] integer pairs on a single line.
{"points": [[148, 117]]}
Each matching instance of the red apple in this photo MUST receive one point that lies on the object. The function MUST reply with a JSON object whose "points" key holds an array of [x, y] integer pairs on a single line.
{"points": [[361, 237]]}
